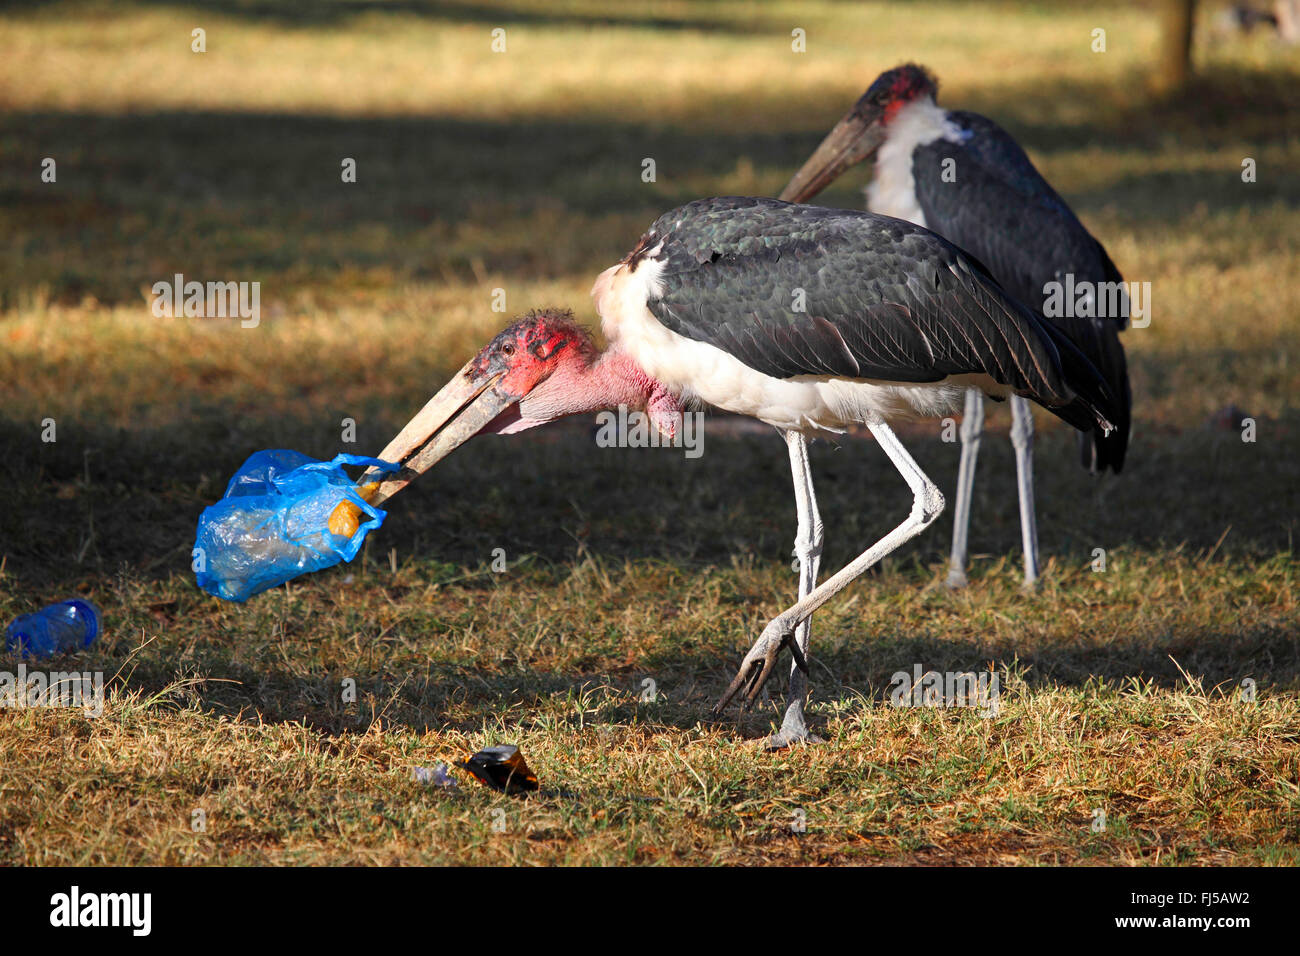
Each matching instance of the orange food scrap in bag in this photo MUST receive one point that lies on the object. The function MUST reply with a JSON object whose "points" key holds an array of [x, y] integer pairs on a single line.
{"points": [[346, 518]]}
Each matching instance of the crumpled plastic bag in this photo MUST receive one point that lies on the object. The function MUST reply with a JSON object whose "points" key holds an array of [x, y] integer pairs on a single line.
{"points": [[272, 524]]}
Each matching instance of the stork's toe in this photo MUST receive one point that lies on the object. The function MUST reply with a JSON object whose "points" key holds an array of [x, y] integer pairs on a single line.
{"points": [[759, 664]]}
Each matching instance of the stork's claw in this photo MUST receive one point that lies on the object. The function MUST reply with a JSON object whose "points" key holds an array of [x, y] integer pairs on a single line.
{"points": [[758, 664]]}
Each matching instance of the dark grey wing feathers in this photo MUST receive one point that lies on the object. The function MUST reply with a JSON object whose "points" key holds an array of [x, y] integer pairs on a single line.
{"points": [[1006, 215], [881, 299]]}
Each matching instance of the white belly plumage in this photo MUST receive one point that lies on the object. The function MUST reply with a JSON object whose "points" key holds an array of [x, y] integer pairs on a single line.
{"points": [[697, 371]]}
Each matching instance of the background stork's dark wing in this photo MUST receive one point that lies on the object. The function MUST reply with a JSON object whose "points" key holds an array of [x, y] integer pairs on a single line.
{"points": [[881, 299], [1003, 212]]}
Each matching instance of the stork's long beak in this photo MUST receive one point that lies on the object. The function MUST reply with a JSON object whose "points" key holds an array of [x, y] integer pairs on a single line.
{"points": [[456, 414], [857, 136]]}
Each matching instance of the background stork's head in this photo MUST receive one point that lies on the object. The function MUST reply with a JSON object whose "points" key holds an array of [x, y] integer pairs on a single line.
{"points": [[895, 88], [520, 379], [863, 129]]}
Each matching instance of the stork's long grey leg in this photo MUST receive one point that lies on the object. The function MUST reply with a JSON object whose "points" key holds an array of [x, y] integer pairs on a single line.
{"points": [[972, 429], [927, 504], [1022, 437], [808, 550]]}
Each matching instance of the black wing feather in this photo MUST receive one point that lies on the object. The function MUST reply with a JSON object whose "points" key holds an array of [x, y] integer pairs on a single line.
{"points": [[883, 300], [1003, 212]]}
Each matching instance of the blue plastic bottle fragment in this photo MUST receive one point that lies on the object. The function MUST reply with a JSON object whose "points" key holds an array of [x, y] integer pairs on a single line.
{"points": [[62, 628], [272, 524]]}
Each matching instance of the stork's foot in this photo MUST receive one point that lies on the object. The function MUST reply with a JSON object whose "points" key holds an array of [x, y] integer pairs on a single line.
{"points": [[1029, 585], [956, 578], [782, 739], [759, 663], [794, 730]]}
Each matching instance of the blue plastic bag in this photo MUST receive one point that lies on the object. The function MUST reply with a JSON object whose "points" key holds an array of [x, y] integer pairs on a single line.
{"points": [[273, 522]]}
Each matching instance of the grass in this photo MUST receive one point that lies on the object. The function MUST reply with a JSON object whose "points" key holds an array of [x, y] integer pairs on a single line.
{"points": [[1122, 690]]}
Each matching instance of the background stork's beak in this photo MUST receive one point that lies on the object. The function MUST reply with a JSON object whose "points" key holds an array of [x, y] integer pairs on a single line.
{"points": [[456, 414], [853, 139]]}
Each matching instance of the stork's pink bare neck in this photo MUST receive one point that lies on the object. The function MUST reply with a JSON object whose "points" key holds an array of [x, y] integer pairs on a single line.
{"points": [[579, 386]]}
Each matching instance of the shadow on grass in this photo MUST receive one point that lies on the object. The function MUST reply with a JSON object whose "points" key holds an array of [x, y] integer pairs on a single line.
{"points": [[260, 196], [556, 495], [314, 14]]}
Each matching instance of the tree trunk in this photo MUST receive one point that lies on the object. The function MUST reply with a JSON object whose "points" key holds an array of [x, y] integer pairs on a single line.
{"points": [[1174, 68]]}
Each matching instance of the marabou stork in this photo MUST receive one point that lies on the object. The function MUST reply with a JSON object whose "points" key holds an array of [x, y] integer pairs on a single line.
{"points": [[964, 177], [897, 322]]}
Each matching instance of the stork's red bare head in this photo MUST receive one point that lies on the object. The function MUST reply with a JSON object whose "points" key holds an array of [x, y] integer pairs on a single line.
{"points": [[895, 88], [530, 349], [863, 129]]}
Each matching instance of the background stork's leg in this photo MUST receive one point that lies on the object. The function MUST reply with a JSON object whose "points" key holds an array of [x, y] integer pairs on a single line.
{"points": [[808, 549], [972, 429], [1022, 437], [927, 504]]}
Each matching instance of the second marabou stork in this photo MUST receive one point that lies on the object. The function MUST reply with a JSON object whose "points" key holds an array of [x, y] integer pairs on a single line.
{"points": [[963, 176], [809, 319]]}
